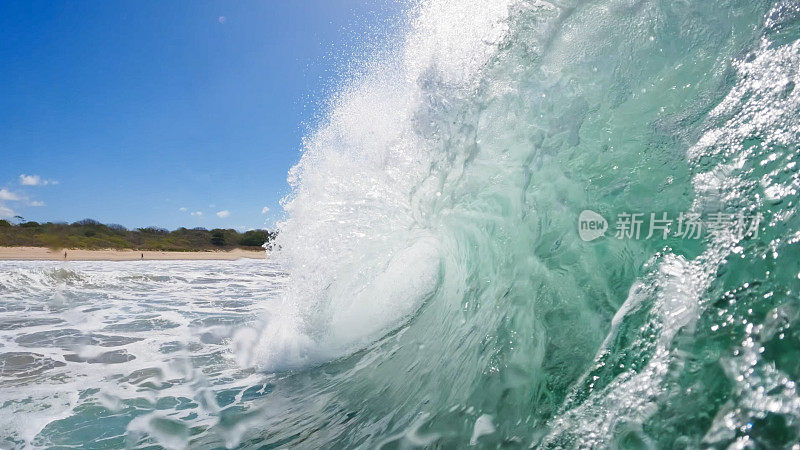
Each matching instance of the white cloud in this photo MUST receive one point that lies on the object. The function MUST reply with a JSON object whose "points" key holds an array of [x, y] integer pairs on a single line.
{"points": [[223, 214], [6, 212], [182, 209], [36, 203], [264, 210], [34, 180], [196, 213], [5, 194], [30, 180]]}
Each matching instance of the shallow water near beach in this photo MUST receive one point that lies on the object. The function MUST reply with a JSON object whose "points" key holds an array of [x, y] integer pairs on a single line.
{"points": [[429, 286], [114, 354]]}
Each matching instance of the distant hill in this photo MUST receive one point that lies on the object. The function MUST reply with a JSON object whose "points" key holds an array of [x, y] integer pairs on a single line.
{"points": [[91, 234]]}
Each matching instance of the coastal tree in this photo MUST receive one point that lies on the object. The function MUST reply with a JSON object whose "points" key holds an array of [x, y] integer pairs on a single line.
{"points": [[218, 237]]}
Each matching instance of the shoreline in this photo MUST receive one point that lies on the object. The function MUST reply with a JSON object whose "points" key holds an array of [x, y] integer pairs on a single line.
{"points": [[46, 254]]}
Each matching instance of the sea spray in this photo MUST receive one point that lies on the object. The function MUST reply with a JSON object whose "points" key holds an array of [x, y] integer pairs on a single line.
{"points": [[356, 243]]}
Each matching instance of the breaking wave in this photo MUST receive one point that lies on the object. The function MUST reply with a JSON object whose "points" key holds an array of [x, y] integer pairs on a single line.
{"points": [[432, 229], [432, 286]]}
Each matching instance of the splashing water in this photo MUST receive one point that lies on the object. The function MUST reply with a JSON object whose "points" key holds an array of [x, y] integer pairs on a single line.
{"points": [[438, 293]]}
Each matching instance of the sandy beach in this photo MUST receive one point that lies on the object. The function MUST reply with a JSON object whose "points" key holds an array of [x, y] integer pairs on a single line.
{"points": [[41, 253]]}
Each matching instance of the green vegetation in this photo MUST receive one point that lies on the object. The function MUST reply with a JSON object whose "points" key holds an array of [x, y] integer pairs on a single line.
{"points": [[90, 234]]}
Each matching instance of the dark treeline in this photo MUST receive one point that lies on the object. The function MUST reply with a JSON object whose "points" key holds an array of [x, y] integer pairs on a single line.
{"points": [[91, 234]]}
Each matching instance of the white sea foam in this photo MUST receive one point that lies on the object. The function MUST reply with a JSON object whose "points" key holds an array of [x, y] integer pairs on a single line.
{"points": [[359, 259], [120, 335]]}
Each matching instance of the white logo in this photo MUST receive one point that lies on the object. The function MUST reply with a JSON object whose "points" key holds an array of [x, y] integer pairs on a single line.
{"points": [[591, 225]]}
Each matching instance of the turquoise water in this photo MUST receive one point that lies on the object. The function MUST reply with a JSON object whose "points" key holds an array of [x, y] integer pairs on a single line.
{"points": [[431, 287]]}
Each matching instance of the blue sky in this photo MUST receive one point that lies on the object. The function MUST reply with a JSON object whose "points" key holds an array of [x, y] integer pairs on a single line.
{"points": [[167, 113]]}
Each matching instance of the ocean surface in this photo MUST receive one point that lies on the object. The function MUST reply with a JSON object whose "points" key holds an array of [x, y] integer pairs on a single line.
{"points": [[116, 354], [566, 224]]}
